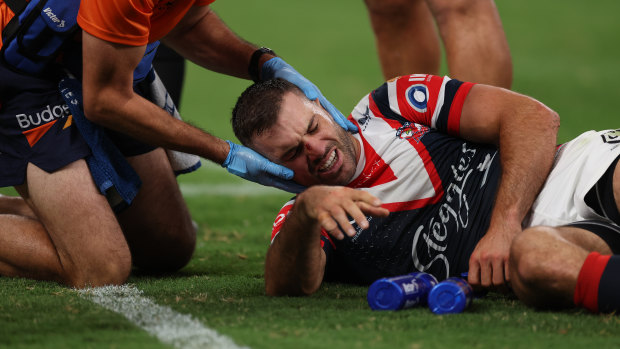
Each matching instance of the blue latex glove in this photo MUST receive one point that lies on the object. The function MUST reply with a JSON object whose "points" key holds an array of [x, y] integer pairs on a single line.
{"points": [[248, 164], [277, 68]]}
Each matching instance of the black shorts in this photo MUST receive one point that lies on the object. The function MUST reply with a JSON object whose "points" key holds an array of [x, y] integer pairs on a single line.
{"points": [[609, 232], [36, 126]]}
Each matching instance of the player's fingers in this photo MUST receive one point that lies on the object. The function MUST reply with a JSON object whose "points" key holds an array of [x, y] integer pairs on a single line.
{"points": [[329, 224], [373, 210], [497, 277], [354, 211], [360, 195], [342, 219], [505, 286], [486, 273], [473, 276]]}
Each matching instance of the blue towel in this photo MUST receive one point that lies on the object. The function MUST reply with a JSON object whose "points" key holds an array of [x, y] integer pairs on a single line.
{"points": [[113, 175]]}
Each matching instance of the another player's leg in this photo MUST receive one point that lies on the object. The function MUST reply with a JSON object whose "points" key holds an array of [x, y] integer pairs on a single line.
{"points": [[75, 238], [598, 285], [158, 225], [568, 266], [579, 263], [405, 35], [545, 263], [474, 40]]}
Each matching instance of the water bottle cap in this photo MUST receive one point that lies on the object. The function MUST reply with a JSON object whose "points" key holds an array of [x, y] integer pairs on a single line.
{"points": [[385, 295], [447, 298]]}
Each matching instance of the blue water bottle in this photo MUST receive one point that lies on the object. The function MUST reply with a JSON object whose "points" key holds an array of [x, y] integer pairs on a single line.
{"points": [[450, 296], [400, 292], [477, 293]]}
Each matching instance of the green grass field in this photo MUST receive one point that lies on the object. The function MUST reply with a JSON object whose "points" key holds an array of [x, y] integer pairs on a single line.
{"points": [[565, 53]]}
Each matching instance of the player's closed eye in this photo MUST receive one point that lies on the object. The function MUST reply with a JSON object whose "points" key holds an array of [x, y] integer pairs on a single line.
{"points": [[314, 129], [293, 153]]}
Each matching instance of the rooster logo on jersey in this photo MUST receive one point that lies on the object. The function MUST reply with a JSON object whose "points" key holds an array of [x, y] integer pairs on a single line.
{"points": [[411, 130]]}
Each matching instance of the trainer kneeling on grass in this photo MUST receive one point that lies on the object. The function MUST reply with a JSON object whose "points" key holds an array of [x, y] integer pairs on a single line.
{"points": [[63, 165], [443, 177]]}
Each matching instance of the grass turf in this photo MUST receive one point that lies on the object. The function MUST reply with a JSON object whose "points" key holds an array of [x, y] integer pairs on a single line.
{"points": [[564, 54]]}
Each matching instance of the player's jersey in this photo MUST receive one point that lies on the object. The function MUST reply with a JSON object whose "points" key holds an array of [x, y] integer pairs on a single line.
{"points": [[439, 188], [133, 22]]}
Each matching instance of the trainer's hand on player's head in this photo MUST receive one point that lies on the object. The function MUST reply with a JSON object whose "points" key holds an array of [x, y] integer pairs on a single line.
{"points": [[248, 164], [277, 68], [332, 206]]}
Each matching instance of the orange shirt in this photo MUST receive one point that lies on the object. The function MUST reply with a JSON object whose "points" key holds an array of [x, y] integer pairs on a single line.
{"points": [[5, 16], [133, 22]]}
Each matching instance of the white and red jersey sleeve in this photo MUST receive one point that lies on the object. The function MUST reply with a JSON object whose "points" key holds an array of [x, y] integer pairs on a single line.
{"points": [[326, 242], [429, 100], [280, 218]]}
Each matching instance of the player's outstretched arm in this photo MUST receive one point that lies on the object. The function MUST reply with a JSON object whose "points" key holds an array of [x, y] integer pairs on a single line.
{"points": [[295, 262], [525, 131]]}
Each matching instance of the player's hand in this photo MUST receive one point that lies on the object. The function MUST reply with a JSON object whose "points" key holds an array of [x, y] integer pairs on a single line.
{"points": [[488, 264], [332, 207], [277, 68], [248, 164]]}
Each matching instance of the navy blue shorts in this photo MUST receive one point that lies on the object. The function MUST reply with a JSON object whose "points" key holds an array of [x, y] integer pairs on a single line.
{"points": [[609, 232], [36, 126]]}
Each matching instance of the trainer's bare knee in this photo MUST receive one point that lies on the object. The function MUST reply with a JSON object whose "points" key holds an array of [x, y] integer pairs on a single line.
{"points": [[113, 270]]}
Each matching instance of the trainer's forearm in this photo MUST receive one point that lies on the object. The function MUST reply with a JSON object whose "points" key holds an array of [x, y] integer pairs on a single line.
{"points": [[110, 101], [206, 40], [141, 119], [295, 261]]}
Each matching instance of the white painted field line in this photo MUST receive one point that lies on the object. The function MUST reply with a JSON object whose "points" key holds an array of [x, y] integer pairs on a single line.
{"points": [[232, 188], [228, 189], [170, 327]]}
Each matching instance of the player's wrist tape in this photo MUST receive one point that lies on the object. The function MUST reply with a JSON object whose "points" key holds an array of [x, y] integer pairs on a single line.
{"points": [[253, 66]]}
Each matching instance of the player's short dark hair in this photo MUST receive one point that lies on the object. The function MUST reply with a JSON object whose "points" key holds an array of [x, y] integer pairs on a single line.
{"points": [[257, 108]]}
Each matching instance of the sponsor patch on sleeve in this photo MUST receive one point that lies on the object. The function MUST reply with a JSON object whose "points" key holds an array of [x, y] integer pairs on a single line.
{"points": [[417, 97]]}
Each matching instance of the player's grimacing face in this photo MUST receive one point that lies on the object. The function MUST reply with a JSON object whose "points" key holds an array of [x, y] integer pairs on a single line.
{"points": [[306, 139]]}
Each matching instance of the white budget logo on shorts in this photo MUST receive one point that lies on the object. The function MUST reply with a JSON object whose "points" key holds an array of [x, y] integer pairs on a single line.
{"points": [[44, 116]]}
